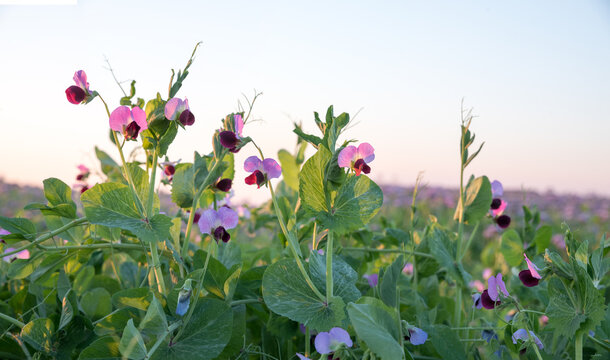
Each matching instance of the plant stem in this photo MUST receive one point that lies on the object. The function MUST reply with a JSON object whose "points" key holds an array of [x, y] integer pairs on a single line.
{"points": [[307, 341], [295, 253], [600, 342], [578, 345], [12, 320], [100, 246], [42, 238], [160, 339], [474, 231], [329, 266], [154, 254], [245, 301]]}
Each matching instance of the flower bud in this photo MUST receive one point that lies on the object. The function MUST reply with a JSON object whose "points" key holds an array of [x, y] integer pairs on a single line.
{"points": [[503, 221], [229, 140]]}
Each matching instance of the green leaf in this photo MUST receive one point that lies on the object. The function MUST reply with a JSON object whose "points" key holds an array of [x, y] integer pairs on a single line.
{"points": [[389, 282], [344, 277], [204, 337], [139, 298], [154, 322], [314, 140], [376, 325], [96, 303], [21, 227], [22, 268], [109, 166], [140, 182], [286, 293], [542, 239], [290, 169], [112, 205], [512, 247], [238, 333], [446, 342], [39, 334], [105, 348], [132, 345], [116, 322], [444, 251], [67, 312], [229, 254], [477, 201], [356, 202]]}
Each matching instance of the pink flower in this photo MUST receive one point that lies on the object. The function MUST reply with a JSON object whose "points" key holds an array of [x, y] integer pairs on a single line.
{"points": [[216, 223], [530, 277], [178, 109], [532, 267], [76, 94], [486, 273], [408, 269], [357, 159], [490, 297], [130, 122], [261, 171], [23, 254], [497, 207], [477, 284], [83, 173]]}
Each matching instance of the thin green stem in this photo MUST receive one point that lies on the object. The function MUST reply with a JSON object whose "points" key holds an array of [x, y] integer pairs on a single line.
{"points": [[599, 342], [329, 266], [160, 339], [154, 255], [246, 301], [102, 246], [577, 346], [11, 320], [47, 236], [470, 238], [307, 341]]}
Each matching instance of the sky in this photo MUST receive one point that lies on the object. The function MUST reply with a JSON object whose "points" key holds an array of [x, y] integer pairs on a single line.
{"points": [[535, 73]]}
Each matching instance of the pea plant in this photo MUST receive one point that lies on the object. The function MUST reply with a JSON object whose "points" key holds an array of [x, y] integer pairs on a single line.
{"points": [[314, 273]]}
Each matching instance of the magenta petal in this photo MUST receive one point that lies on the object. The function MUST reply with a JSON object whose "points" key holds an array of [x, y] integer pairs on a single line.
{"points": [[500, 209], [207, 221], [239, 124], [346, 156], [339, 335], [228, 218], [322, 343], [366, 152], [80, 78], [173, 108], [532, 267], [139, 116], [120, 117], [271, 168], [252, 164]]}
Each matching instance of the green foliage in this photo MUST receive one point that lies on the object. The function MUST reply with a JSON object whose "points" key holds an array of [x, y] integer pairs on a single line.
{"points": [[477, 201], [512, 247]]}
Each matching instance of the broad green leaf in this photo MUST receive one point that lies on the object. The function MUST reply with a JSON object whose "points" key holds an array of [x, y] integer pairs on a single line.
{"points": [[389, 282], [286, 293], [139, 298], [18, 227], [356, 202], [112, 204], [132, 345], [115, 323], [512, 247], [557, 264], [204, 337], [231, 283], [542, 239], [377, 326], [477, 201], [290, 169], [105, 348], [238, 333], [96, 303], [154, 322], [59, 196], [444, 251], [344, 277], [109, 166], [229, 254], [22, 268], [140, 182], [446, 342], [39, 334]]}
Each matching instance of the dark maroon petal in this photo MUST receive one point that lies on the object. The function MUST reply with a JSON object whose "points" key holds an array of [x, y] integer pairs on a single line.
{"points": [[196, 218], [487, 302], [131, 131], [79, 177], [224, 185], [228, 139], [527, 279], [495, 204], [83, 189], [503, 221], [187, 118], [75, 94], [366, 169], [221, 234], [169, 170]]}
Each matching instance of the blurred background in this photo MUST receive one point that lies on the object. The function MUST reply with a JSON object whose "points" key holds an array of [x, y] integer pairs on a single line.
{"points": [[535, 73]]}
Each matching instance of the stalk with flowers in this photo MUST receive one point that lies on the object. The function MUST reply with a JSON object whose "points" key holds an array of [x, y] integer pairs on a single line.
{"points": [[320, 271]]}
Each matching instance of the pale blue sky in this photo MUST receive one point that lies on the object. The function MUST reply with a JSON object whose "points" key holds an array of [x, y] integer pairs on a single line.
{"points": [[536, 73]]}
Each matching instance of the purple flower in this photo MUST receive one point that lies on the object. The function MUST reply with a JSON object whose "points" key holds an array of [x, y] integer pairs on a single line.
{"points": [[490, 297], [476, 301], [373, 279], [261, 171], [416, 336], [184, 298], [328, 342], [521, 334], [231, 138], [130, 122], [357, 159], [497, 190], [176, 108], [408, 269], [216, 223], [76, 94]]}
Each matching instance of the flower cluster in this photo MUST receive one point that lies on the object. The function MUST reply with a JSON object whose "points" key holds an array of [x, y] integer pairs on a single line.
{"points": [[498, 205], [81, 179], [176, 108]]}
